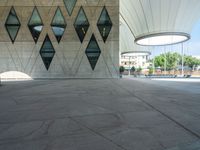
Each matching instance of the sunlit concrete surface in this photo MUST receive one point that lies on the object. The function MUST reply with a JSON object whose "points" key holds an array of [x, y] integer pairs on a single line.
{"points": [[14, 76], [104, 114], [179, 79]]}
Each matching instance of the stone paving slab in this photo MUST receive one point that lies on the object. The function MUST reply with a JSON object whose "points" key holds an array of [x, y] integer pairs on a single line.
{"points": [[193, 146], [106, 114]]}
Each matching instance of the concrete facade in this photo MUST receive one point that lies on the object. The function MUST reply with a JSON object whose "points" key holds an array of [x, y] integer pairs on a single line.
{"points": [[137, 61], [69, 60]]}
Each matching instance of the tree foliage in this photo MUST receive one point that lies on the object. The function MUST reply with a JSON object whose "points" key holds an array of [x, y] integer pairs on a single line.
{"points": [[139, 69], [173, 60], [133, 69], [191, 61], [121, 69], [150, 70], [159, 61]]}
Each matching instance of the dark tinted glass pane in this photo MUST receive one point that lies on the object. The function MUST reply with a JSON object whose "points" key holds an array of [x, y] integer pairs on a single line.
{"points": [[47, 55], [93, 52], [58, 24], [12, 17], [81, 24], [35, 25], [70, 4], [104, 24], [12, 31], [12, 24], [47, 52]]}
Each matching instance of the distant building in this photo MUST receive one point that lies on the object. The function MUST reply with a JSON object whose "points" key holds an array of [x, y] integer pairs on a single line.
{"points": [[136, 59]]}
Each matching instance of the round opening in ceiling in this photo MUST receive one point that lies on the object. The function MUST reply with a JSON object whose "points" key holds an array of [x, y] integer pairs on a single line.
{"points": [[136, 53], [165, 38]]}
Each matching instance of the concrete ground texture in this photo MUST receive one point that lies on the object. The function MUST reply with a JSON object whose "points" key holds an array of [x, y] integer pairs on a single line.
{"points": [[104, 114]]}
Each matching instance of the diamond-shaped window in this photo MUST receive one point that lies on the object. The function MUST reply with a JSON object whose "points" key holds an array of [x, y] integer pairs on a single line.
{"points": [[47, 52], [93, 52], [35, 25], [104, 24], [58, 24], [12, 24], [70, 4], [81, 24]]}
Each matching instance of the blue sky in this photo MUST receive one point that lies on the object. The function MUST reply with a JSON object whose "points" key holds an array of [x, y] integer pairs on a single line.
{"points": [[194, 42], [191, 47]]}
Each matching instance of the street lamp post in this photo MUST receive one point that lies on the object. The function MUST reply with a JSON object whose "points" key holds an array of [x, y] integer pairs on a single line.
{"points": [[129, 73], [153, 65], [165, 61], [182, 65]]}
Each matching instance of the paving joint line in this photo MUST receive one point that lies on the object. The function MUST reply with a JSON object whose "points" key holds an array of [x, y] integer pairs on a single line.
{"points": [[162, 113], [97, 133]]}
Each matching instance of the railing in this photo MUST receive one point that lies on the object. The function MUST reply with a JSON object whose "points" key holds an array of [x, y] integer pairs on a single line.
{"points": [[165, 76], [161, 76]]}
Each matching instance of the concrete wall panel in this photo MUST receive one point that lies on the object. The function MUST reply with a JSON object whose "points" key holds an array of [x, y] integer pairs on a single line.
{"points": [[69, 60]]}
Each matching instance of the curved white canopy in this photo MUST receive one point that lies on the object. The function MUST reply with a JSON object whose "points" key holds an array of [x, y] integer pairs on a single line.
{"points": [[127, 39], [144, 17], [136, 53]]}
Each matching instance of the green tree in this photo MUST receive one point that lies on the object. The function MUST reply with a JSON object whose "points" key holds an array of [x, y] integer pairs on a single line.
{"points": [[139, 70], [150, 70], [121, 69], [172, 60], [133, 69], [159, 61], [191, 61]]}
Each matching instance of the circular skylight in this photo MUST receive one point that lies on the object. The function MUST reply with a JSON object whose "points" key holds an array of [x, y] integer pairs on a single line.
{"points": [[136, 53], [165, 38]]}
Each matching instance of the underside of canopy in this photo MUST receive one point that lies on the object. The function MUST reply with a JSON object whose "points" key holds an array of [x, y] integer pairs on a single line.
{"points": [[145, 18]]}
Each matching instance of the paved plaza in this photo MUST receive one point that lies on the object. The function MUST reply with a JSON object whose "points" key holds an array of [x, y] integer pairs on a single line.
{"points": [[100, 114]]}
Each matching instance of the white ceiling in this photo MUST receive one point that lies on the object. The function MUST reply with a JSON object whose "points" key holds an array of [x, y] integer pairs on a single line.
{"points": [[144, 17]]}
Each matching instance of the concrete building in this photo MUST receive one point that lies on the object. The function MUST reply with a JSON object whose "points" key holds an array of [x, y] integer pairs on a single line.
{"points": [[137, 59], [81, 39], [60, 39]]}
